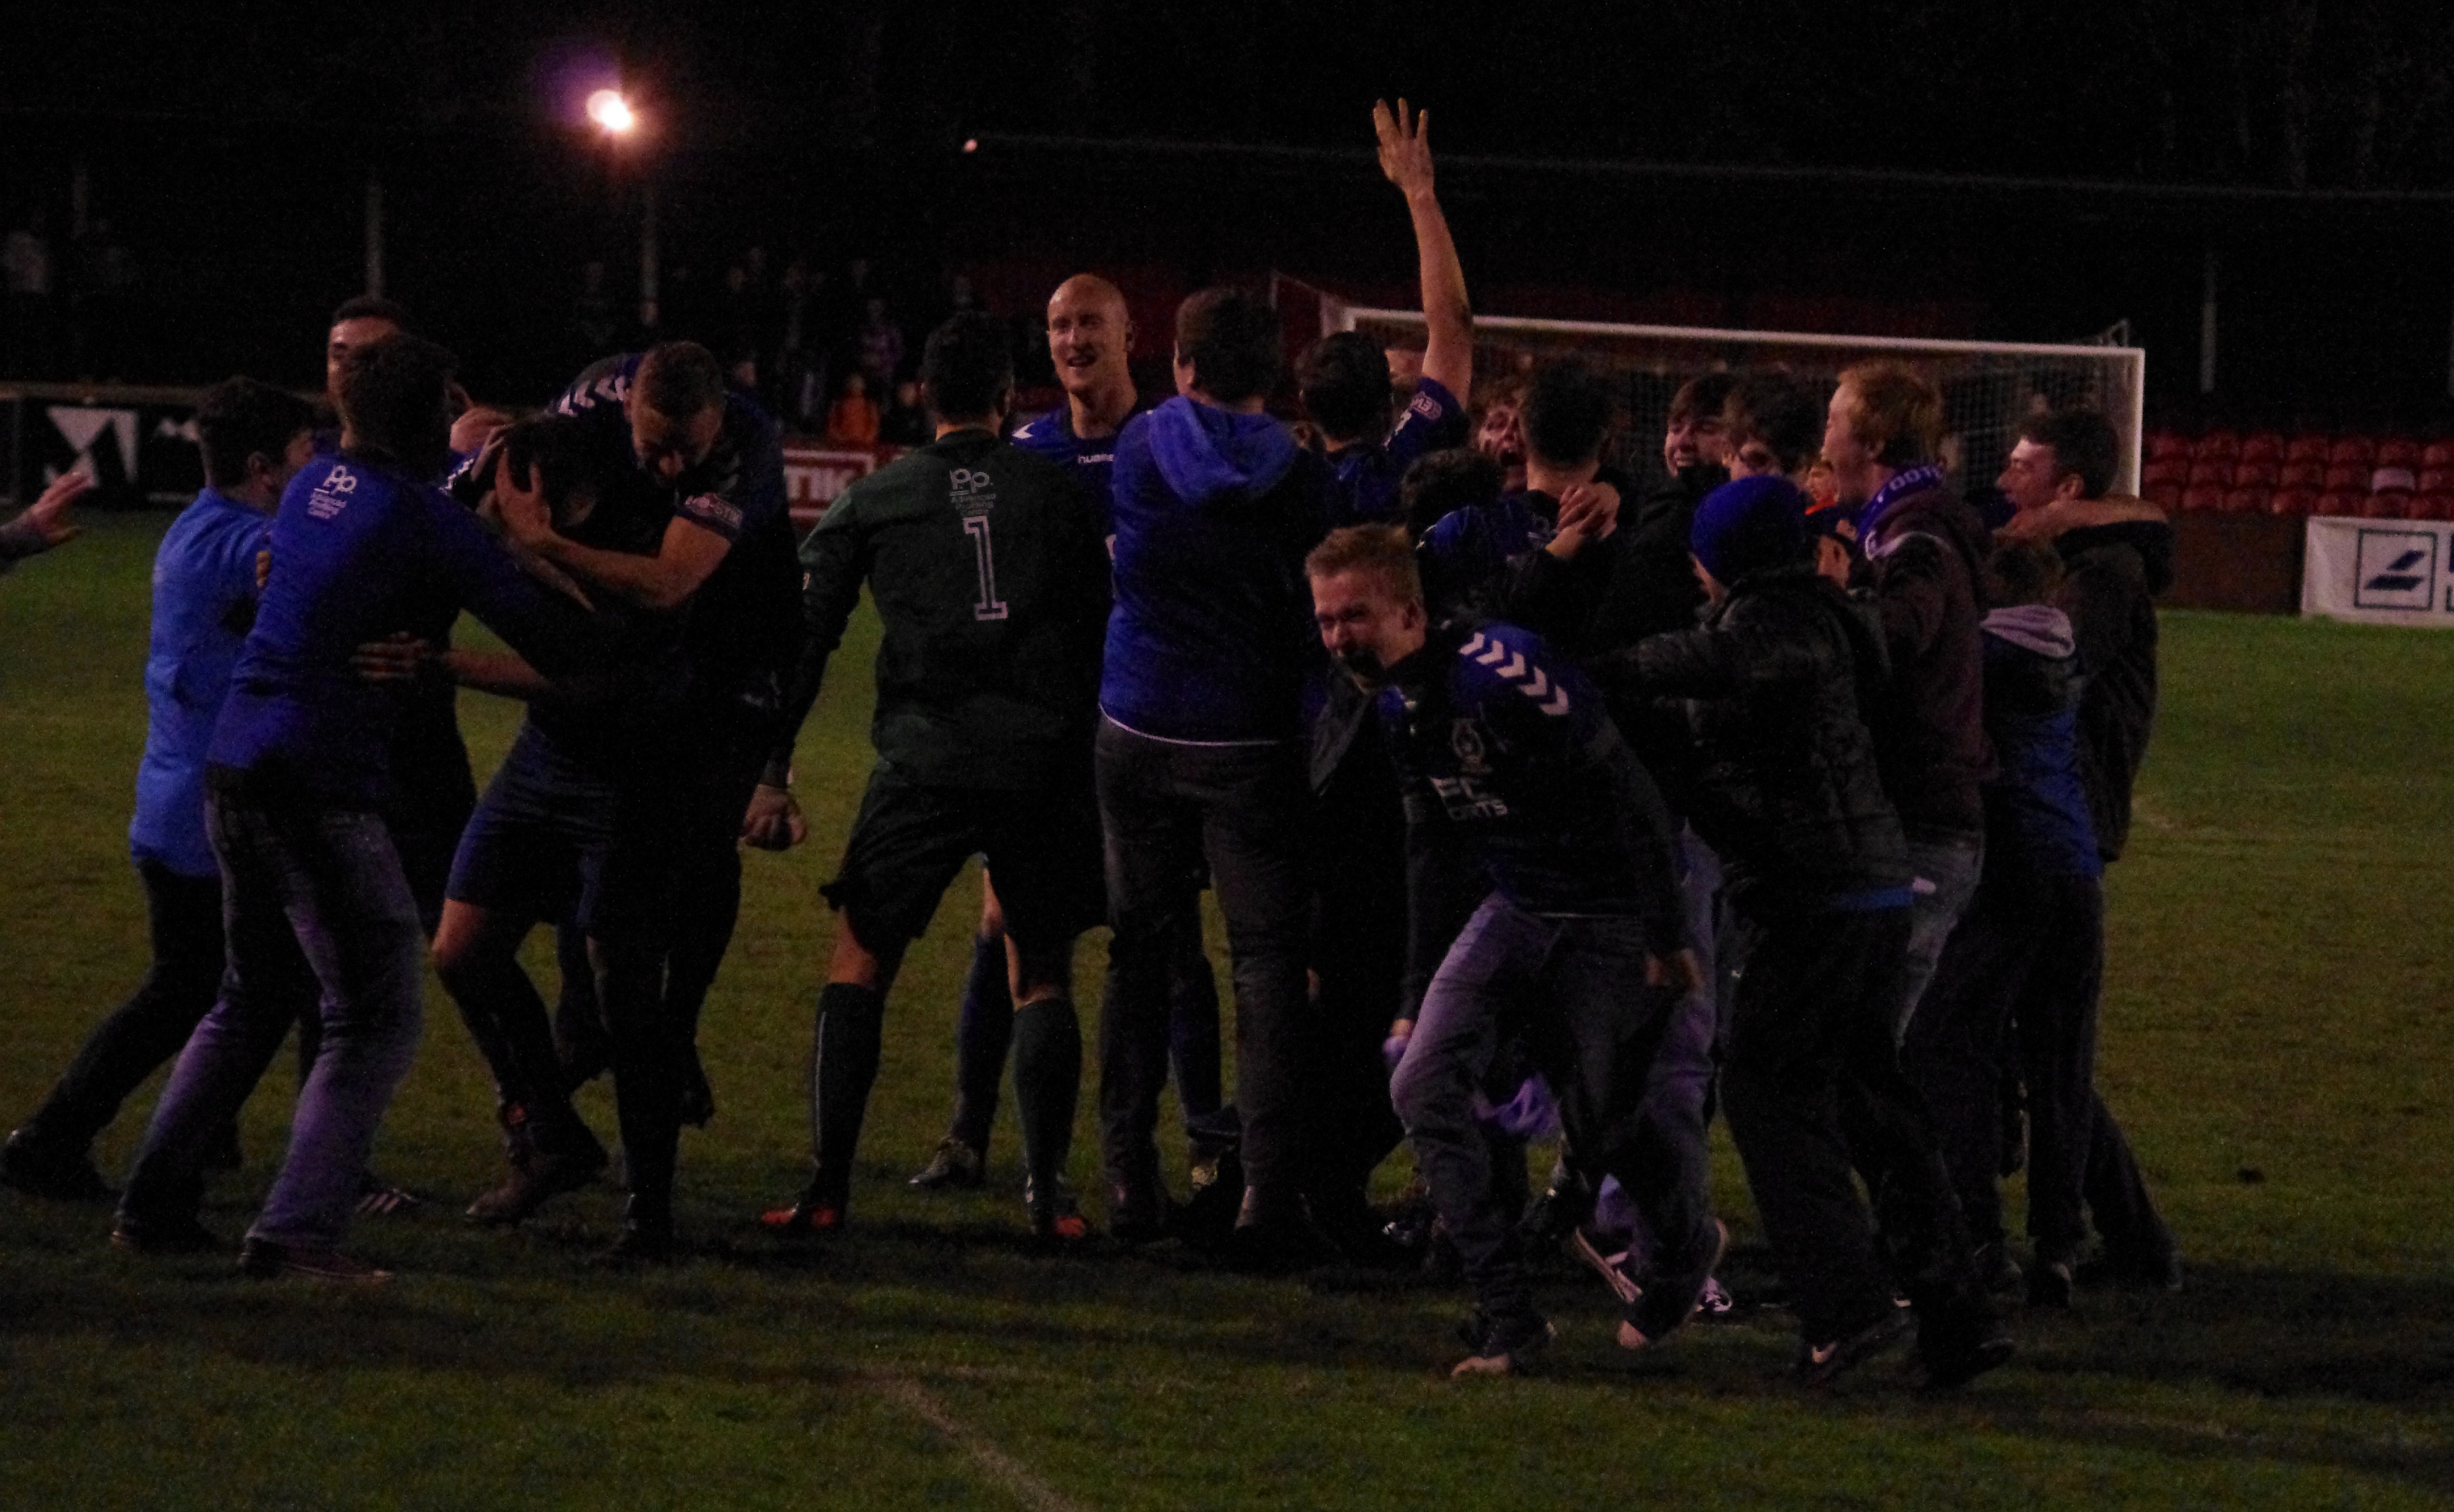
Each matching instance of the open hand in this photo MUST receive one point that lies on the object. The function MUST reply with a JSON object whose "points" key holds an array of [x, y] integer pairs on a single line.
{"points": [[48, 517], [520, 505], [1405, 152]]}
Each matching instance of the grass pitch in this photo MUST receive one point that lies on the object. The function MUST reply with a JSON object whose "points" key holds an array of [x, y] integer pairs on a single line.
{"points": [[2278, 1039]]}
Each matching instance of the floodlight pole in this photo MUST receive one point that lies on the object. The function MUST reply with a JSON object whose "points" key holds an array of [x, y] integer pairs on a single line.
{"points": [[648, 250], [374, 233]]}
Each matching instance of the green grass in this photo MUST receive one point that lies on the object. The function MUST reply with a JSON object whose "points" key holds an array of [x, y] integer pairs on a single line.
{"points": [[2277, 1040]]}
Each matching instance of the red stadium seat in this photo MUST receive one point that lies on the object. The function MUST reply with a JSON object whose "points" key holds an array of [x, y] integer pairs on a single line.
{"points": [[2291, 501], [2433, 507], [2216, 470], [2386, 479], [2261, 445], [2398, 450], [2306, 447], [2165, 495], [2304, 474], [2358, 450], [2247, 500], [2166, 470], [2347, 478], [2202, 497], [2435, 481], [2339, 505], [2161, 444], [2256, 473], [2438, 452], [2222, 444], [2392, 504]]}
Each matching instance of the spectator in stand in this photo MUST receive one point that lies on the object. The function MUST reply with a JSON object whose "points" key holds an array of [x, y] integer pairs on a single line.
{"points": [[26, 271], [907, 423], [852, 419], [44, 523], [1925, 553], [2117, 556], [594, 326], [881, 345]]}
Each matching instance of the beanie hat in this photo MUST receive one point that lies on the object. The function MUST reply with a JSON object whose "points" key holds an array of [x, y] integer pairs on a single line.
{"points": [[1749, 525]]}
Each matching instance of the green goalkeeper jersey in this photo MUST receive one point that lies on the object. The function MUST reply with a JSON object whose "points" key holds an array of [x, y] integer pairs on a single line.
{"points": [[988, 570]]}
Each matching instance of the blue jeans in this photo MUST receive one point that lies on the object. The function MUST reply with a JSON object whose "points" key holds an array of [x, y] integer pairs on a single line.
{"points": [[1681, 1085], [1946, 873], [1574, 986], [312, 899]]}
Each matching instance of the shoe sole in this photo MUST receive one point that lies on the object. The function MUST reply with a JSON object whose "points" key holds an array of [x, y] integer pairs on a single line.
{"points": [[1512, 1363], [1848, 1353]]}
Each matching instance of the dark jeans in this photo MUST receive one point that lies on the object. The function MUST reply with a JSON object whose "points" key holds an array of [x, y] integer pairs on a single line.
{"points": [[185, 918], [1810, 1029], [1574, 988], [312, 899], [2030, 954], [2134, 1233], [1167, 808]]}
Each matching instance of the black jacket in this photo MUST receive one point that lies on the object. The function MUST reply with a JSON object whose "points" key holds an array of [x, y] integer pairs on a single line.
{"points": [[1787, 791], [1928, 556], [2113, 575]]}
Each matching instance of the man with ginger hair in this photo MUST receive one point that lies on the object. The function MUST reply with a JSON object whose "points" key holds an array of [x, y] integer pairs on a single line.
{"points": [[1925, 552]]}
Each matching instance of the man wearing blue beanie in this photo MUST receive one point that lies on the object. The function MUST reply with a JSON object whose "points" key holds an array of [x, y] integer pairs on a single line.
{"points": [[1817, 879]]}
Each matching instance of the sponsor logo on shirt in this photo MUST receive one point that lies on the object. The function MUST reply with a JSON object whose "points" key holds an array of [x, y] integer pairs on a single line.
{"points": [[714, 509], [1465, 799], [332, 494], [971, 491]]}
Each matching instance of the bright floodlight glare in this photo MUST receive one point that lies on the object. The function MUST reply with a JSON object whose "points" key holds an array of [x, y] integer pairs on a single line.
{"points": [[609, 110]]}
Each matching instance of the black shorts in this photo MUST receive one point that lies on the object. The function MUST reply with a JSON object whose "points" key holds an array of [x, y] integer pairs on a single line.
{"points": [[910, 841], [542, 844]]}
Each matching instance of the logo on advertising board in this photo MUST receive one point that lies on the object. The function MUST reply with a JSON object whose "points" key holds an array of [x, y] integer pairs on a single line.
{"points": [[2395, 570]]}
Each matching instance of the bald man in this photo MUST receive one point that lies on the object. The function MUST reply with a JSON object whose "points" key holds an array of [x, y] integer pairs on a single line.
{"points": [[1090, 340]]}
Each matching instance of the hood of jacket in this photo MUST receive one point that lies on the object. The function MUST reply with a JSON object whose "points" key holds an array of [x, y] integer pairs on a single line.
{"points": [[2151, 540], [1205, 453], [2040, 628]]}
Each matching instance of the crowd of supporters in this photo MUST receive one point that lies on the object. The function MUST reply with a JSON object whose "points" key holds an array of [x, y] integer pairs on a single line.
{"points": [[1537, 806]]}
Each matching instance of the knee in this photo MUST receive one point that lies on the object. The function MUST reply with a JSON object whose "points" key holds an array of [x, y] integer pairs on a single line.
{"points": [[1426, 1092]]}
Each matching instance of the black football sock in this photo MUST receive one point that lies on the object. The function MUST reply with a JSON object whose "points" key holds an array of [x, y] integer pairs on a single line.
{"points": [[1047, 1083], [843, 1067], [982, 1035]]}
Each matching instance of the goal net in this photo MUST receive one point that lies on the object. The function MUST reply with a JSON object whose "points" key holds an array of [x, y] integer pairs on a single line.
{"points": [[1988, 387]]}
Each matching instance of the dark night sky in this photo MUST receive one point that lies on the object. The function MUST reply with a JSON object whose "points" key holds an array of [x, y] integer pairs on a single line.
{"points": [[230, 144]]}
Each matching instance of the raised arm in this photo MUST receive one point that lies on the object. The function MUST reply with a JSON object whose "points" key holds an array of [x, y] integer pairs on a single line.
{"points": [[1406, 158]]}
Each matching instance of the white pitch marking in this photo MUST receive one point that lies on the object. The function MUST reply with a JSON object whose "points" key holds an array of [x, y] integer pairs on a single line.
{"points": [[1007, 1470]]}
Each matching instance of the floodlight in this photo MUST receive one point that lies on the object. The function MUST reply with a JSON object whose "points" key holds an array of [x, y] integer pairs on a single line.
{"points": [[609, 110]]}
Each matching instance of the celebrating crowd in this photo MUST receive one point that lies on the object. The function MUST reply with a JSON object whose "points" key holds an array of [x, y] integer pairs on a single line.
{"points": [[1537, 805]]}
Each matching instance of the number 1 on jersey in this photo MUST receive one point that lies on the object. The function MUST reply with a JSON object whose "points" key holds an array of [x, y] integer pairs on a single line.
{"points": [[990, 606]]}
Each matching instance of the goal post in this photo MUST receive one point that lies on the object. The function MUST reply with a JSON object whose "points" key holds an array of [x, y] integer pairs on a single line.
{"points": [[1988, 387]]}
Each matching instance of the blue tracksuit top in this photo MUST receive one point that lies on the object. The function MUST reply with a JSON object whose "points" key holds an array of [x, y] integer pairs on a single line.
{"points": [[1212, 637], [204, 600], [358, 550], [1499, 739]]}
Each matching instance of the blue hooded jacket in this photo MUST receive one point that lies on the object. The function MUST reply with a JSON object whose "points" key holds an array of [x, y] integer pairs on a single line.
{"points": [[204, 600], [1212, 636]]}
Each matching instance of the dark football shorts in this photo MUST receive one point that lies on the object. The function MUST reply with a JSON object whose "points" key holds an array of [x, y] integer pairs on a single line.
{"points": [[544, 841], [910, 839]]}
